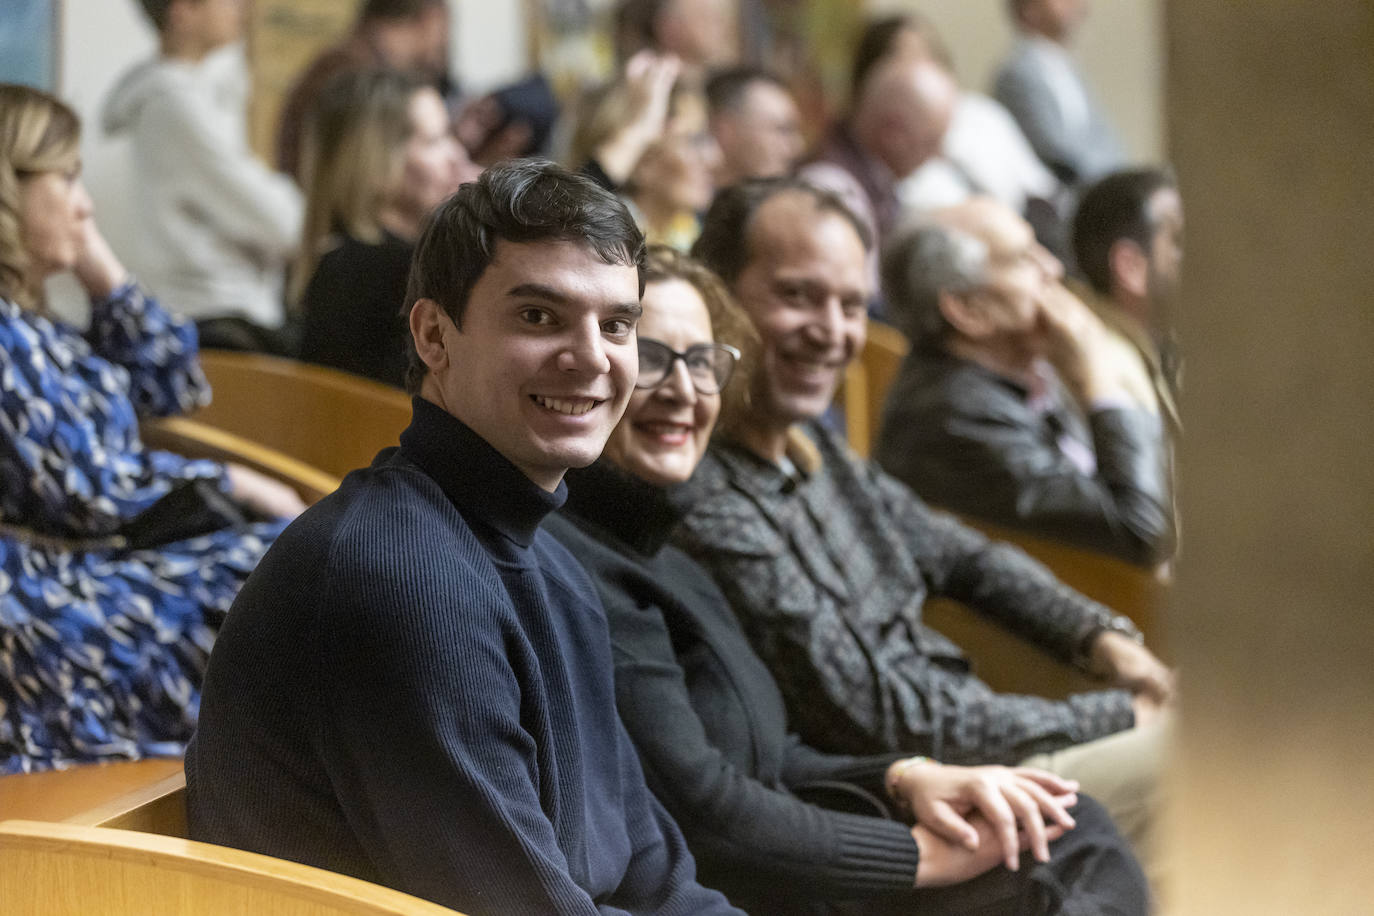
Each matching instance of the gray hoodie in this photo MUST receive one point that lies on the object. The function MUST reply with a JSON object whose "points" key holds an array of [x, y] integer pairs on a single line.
{"points": [[216, 226]]}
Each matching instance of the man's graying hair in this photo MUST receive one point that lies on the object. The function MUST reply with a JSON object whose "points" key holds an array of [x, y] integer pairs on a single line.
{"points": [[922, 261]]}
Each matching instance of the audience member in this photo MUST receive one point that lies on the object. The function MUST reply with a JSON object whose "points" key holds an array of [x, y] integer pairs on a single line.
{"points": [[513, 121], [702, 34], [827, 560], [983, 152], [415, 685], [407, 35], [1128, 242], [647, 138], [899, 119], [709, 723], [1043, 89], [378, 159], [1011, 406], [215, 226], [755, 123], [117, 563]]}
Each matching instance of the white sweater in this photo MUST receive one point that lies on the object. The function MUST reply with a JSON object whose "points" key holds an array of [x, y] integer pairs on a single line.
{"points": [[216, 226]]}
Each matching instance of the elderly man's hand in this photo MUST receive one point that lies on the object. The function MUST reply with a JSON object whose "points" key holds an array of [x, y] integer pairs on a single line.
{"points": [[1077, 346]]}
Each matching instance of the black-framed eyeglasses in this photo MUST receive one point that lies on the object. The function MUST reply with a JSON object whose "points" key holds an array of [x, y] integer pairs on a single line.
{"points": [[709, 365]]}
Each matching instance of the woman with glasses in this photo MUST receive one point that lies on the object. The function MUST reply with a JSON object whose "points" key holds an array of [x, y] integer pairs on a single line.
{"points": [[776, 825]]}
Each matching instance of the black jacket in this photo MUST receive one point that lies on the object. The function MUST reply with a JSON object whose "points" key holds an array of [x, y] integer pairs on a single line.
{"points": [[969, 440]]}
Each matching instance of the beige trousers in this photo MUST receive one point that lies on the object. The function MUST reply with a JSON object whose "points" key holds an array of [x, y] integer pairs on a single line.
{"points": [[1124, 772]]}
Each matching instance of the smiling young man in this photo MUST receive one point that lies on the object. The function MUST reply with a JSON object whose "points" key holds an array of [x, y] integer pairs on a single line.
{"points": [[827, 560], [416, 687]]}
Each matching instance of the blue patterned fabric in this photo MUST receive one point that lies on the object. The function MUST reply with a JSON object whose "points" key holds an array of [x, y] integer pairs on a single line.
{"points": [[102, 648]]}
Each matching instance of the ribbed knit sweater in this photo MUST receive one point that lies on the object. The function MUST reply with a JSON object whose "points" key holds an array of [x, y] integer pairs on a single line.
{"points": [[710, 724], [414, 687]]}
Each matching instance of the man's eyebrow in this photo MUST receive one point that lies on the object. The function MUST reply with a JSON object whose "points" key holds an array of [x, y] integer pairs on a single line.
{"points": [[540, 291]]}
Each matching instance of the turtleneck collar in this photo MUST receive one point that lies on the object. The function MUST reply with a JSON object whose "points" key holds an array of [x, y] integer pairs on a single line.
{"points": [[636, 512], [479, 480]]}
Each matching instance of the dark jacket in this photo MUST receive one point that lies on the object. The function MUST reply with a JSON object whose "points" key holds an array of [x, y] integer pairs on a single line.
{"points": [[756, 805], [971, 441], [708, 720], [414, 687], [829, 569]]}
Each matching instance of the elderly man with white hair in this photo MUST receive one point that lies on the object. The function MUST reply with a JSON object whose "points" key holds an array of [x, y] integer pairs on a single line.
{"points": [[1011, 406]]}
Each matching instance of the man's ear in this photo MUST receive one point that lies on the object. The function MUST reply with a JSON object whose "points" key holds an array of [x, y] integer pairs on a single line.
{"points": [[427, 323], [965, 314], [1130, 268]]}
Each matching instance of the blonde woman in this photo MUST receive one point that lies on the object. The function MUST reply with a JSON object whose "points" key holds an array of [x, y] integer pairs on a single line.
{"points": [[646, 137], [117, 563], [379, 155]]}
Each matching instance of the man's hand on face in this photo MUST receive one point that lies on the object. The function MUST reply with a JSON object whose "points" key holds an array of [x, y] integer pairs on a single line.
{"points": [[1076, 344]]}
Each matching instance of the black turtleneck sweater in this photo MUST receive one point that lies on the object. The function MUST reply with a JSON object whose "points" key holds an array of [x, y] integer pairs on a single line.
{"points": [[709, 722], [414, 687]]}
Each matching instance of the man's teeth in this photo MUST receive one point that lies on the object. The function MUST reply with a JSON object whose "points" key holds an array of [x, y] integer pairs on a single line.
{"points": [[572, 408]]}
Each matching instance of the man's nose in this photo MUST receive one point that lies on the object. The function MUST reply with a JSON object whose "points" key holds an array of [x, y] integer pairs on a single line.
{"points": [[585, 351], [827, 325]]}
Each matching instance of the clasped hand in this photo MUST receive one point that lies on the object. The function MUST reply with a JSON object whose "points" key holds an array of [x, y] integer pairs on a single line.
{"points": [[968, 819]]}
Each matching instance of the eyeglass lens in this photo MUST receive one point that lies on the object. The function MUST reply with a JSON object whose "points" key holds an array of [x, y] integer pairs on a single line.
{"points": [[708, 365]]}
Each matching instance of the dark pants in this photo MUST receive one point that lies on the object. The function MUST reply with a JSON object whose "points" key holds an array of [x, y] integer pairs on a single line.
{"points": [[1091, 872]]}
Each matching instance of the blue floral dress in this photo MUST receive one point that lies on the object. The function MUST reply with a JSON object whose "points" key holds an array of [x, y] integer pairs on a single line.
{"points": [[102, 647]]}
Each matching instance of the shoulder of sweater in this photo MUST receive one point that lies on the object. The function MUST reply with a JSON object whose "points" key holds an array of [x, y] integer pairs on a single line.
{"points": [[391, 528]]}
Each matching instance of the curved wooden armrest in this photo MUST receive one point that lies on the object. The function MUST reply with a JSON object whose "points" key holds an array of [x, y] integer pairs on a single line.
{"points": [[198, 440], [330, 420], [59, 869]]}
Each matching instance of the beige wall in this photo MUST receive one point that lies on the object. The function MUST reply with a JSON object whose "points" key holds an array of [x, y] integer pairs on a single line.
{"points": [[1271, 115], [1120, 50]]}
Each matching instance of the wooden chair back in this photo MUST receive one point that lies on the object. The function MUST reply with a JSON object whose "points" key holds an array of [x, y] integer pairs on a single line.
{"points": [[866, 383], [68, 870], [194, 439], [147, 795], [327, 419]]}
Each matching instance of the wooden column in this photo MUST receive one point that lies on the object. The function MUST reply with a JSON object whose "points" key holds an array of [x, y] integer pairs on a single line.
{"points": [[1270, 115]]}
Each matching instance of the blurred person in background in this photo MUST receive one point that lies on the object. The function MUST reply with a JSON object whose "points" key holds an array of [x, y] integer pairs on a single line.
{"points": [[755, 123], [1041, 85], [984, 151], [117, 562], [378, 158], [897, 122], [1128, 241], [216, 227], [407, 35], [702, 34], [646, 137], [1013, 405]]}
